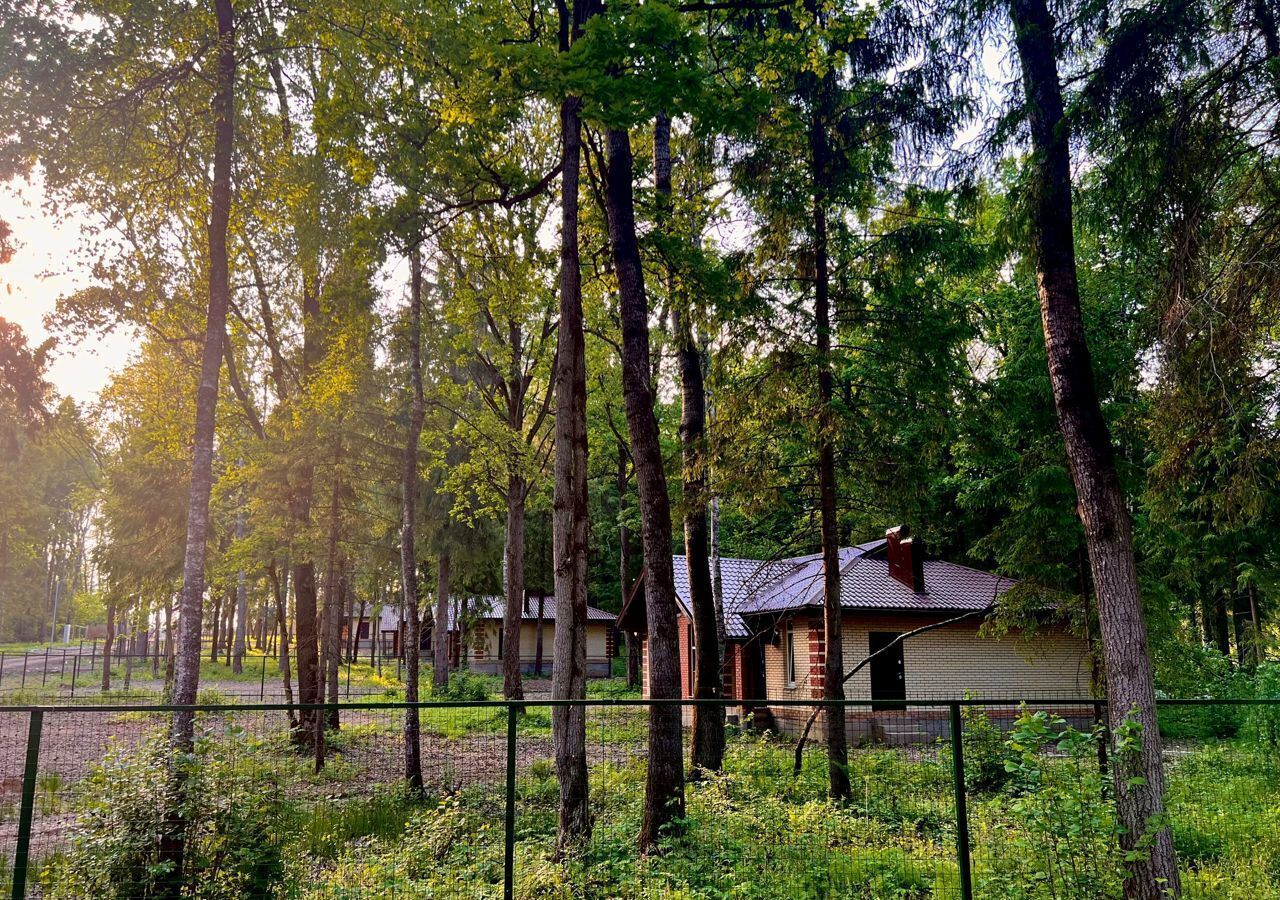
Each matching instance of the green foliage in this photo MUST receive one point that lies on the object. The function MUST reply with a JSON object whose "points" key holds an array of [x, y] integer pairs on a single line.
{"points": [[223, 799], [1263, 722], [466, 686], [1060, 831], [984, 751]]}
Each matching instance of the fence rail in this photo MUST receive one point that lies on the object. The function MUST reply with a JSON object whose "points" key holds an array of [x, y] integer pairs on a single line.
{"points": [[912, 828]]}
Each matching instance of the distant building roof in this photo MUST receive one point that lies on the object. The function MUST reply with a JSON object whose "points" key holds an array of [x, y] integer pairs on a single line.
{"points": [[489, 608], [761, 587]]}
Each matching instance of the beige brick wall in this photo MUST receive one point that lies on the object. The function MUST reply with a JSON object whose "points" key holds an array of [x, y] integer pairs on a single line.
{"points": [[775, 662], [949, 662], [597, 640]]}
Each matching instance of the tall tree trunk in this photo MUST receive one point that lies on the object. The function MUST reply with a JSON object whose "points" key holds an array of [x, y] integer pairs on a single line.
{"points": [[334, 670], [130, 648], [833, 675], [624, 569], [664, 787], [569, 505], [440, 631], [820, 161], [1139, 772], [228, 624], [1221, 623], [280, 593], [215, 621], [409, 581], [332, 611], [512, 689], [306, 604], [1256, 622], [106, 645], [242, 604], [708, 721], [187, 679]]}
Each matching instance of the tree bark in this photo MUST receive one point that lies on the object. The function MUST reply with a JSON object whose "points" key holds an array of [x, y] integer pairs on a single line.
{"points": [[440, 632], [512, 688], [833, 682], [106, 645], [1139, 772], [410, 584], [708, 721], [569, 503], [330, 623], [280, 592], [187, 676], [216, 630], [820, 162], [624, 568], [664, 787], [242, 605]]}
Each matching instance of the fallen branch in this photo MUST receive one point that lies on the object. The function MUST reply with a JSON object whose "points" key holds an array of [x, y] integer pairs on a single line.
{"points": [[813, 716]]}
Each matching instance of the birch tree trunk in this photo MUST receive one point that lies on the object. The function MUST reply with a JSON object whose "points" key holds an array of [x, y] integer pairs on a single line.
{"points": [[512, 688], [664, 786], [569, 503], [187, 675], [410, 584], [1139, 771]]}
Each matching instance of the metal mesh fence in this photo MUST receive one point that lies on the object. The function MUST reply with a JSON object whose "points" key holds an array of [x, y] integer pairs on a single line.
{"points": [[92, 800]]}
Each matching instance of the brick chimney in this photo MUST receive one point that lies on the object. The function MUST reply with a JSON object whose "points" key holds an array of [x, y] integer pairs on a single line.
{"points": [[906, 557]]}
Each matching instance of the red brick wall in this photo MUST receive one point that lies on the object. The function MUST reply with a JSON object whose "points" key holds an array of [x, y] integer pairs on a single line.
{"points": [[731, 674], [817, 656], [684, 630]]}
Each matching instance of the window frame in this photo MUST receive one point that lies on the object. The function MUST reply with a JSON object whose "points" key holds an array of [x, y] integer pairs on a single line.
{"points": [[789, 657]]}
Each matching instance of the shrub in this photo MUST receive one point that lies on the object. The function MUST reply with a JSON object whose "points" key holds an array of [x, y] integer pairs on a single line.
{"points": [[221, 799], [984, 751], [464, 686], [1263, 722], [1059, 835]]}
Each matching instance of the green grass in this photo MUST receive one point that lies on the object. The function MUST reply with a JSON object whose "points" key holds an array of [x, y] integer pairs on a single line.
{"points": [[758, 832]]}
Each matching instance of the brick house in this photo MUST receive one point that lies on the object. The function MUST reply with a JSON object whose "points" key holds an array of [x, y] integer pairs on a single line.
{"points": [[775, 641], [485, 636]]}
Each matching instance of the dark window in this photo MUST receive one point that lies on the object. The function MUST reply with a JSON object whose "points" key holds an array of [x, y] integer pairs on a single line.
{"points": [[791, 656]]}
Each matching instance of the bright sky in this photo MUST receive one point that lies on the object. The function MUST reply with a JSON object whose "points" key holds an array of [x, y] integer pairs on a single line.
{"points": [[46, 266]]}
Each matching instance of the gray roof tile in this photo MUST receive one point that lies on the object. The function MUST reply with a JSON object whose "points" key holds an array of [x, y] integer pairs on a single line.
{"points": [[755, 587]]}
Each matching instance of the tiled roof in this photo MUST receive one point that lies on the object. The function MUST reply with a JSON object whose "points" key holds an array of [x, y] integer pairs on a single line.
{"points": [[754, 587], [492, 608]]}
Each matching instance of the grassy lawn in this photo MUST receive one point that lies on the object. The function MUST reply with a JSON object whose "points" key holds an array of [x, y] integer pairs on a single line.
{"points": [[1040, 822]]}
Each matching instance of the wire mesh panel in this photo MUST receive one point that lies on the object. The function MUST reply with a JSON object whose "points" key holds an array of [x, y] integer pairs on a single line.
{"points": [[1021, 806]]}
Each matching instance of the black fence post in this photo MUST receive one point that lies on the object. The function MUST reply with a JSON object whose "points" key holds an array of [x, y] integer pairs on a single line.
{"points": [[26, 655], [962, 809], [75, 670], [23, 851], [262, 687], [44, 672], [1, 667], [509, 861]]}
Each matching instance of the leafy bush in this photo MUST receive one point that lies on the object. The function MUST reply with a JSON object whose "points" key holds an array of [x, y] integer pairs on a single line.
{"points": [[1058, 833], [221, 800], [1263, 722], [984, 751], [465, 686]]}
